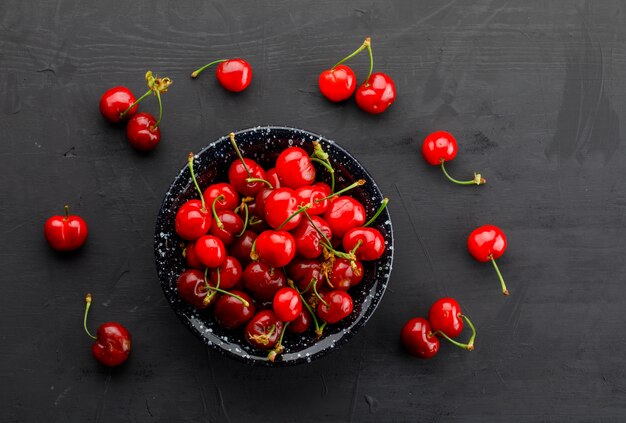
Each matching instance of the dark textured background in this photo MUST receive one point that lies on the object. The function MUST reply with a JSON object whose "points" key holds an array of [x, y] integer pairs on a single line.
{"points": [[533, 90]]}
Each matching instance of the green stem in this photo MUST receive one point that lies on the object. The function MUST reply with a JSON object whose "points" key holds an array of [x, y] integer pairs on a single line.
{"points": [[269, 185], [330, 170], [470, 345], [195, 182], [358, 183], [318, 329], [478, 179], [219, 223], [222, 291], [319, 231], [158, 96], [234, 144], [369, 52], [67, 212], [245, 221], [195, 73], [136, 102], [382, 207], [294, 214], [209, 297], [87, 307], [365, 45], [495, 266]]}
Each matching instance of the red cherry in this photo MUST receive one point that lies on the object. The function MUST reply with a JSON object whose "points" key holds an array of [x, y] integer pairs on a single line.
{"points": [[445, 316], [376, 94], [190, 257], [65, 233], [294, 168], [488, 243], [242, 247], [338, 83], [308, 239], [263, 330], [234, 74], [142, 133], [278, 206], [230, 312], [112, 346], [116, 101], [230, 198], [192, 289], [301, 323], [258, 208], [237, 176], [345, 274], [230, 273], [344, 213], [192, 220], [303, 271], [272, 178], [263, 281], [372, 243], [439, 147], [338, 306], [308, 195], [210, 251], [287, 304], [231, 226], [418, 339], [276, 248]]}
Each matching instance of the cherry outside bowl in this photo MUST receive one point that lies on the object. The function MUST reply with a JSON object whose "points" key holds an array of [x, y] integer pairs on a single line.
{"points": [[264, 144]]}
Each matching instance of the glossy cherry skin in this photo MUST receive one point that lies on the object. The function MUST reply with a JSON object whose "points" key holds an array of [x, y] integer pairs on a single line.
{"points": [[287, 304], [234, 74], [276, 248], [237, 176], [308, 240], [301, 323], [210, 251], [112, 346], [303, 271], [190, 257], [445, 316], [439, 147], [272, 178], [258, 207], [263, 330], [339, 306], [230, 273], [338, 83], [192, 288], [294, 168], [231, 226], [263, 281], [242, 247], [115, 101], [377, 94], [308, 195], [279, 205], [344, 213], [141, 133], [65, 233], [230, 200], [345, 275], [192, 221], [486, 242], [372, 243], [231, 313], [418, 339]]}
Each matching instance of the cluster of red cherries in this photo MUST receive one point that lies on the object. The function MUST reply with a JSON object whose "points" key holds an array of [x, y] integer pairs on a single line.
{"points": [[485, 243], [275, 251], [373, 96]]}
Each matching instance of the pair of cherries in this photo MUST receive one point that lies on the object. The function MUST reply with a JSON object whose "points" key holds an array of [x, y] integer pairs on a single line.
{"points": [[68, 233], [420, 336], [373, 96], [119, 104]]}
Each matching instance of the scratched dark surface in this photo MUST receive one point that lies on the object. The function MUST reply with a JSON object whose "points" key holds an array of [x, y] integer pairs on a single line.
{"points": [[535, 93]]}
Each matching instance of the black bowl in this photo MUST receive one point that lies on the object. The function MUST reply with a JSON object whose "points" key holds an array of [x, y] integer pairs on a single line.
{"points": [[264, 144]]}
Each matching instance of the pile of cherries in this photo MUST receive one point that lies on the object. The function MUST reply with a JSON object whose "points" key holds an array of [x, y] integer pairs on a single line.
{"points": [[275, 251]]}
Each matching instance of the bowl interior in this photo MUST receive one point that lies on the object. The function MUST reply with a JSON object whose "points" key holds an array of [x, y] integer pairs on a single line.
{"points": [[263, 145]]}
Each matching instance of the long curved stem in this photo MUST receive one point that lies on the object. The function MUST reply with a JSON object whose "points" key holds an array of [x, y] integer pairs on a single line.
{"points": [[383, 206], [245, 221], [294, 214], [470, 344], [369, 52], [234, 144], [136, 102], [365, 45], [222, 291], [478, 179], [87, 307], [195, 73], [358, 183], [218, 222], [193, 177], [158, 96], [495, 266]]}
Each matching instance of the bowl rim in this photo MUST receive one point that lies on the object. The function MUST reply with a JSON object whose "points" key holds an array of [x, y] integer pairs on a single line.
{"points": [[345, 335]]}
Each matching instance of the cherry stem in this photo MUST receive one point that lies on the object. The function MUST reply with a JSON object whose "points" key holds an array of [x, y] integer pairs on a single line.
{"points": [[321, 157], [478, 179], [208, 298], [190, 159], [67, 212], [365, 45], [318, 329], [222, 291], [356, 247], [382, 207], [278, 348], [495, 266], [254, 221], [219, 223], [195, 73], [158, 122], [269, 185], [87, 307], [470, 345], [232, 141], [294, 214], [358, 183], [326, 242], [369, 52], [245, 221], [136, 102]]}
